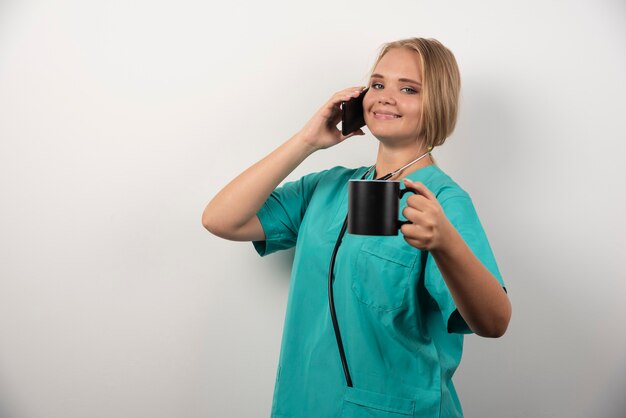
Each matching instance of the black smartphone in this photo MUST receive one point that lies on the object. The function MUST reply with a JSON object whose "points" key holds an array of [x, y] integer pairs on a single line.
{"points": [[352, 114]]}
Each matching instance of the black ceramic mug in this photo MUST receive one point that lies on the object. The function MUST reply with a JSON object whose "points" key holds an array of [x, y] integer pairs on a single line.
{"points": [[373, 207]]}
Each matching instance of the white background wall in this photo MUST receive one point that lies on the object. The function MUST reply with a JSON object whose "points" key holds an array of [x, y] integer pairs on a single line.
{"points": [[120, 120]]}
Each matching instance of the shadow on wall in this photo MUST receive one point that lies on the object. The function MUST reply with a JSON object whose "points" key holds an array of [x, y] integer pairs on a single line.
{"points": [[5, 407], [611, 397]]}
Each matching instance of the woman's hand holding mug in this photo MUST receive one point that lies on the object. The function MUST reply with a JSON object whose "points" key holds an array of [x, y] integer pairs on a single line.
{"points": [[428, 227]]}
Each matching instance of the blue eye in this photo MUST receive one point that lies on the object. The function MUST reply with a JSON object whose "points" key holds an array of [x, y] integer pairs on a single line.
{"points": [[408, 90]]}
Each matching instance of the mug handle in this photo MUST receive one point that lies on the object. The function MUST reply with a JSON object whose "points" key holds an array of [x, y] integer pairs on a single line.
{"points": [[401, 195]]}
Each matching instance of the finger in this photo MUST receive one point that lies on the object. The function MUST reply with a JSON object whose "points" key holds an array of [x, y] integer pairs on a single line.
{"points": [[357, 89], [335, 116], [332, 108], [347, 136], [407, 231], [418, 202], [416, 236], [355, 133], [416, 243], [347, 94], [412, 214], [415, 230], [411, 231], [419, 188], [335, 103]]}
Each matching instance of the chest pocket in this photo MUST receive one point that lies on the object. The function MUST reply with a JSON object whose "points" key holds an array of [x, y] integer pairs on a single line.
{"points": [[383, 274]]}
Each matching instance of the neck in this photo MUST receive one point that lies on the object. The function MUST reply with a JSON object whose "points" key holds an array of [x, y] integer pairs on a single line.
{"points": [[391, 159]]}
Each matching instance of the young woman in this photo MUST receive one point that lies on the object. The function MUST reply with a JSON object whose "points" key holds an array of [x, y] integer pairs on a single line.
{"points": [[402, 303]]}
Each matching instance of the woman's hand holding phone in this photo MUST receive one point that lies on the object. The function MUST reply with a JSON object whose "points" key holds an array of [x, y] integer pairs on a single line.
{"points": [[321, 130]]}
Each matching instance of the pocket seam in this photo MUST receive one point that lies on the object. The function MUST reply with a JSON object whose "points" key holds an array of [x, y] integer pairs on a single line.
{"points": [[353, 398], [371, 248], [396, 256]]}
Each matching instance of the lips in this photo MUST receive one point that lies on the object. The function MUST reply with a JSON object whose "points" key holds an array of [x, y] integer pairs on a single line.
{"points": [[381, 114]]}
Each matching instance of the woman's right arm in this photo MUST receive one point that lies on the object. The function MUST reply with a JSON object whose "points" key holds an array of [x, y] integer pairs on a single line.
{"points": [[231, 214]]}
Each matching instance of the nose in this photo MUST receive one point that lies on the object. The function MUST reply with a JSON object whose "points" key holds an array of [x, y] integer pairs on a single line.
{"points": [[386, 98]]}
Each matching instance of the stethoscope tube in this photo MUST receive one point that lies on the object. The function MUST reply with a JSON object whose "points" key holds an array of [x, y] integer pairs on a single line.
{"points": [[331, 299], [331, 302]]}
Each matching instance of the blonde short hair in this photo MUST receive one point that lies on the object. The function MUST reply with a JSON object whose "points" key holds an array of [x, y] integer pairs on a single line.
{"points": [[441, 85]]}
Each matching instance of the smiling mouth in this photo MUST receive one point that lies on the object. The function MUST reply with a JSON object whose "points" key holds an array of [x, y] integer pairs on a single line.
{"points": [[379, 115]]}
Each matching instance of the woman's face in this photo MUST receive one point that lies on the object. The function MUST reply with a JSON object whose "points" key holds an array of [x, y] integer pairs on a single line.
{"points": [[393, 104]]}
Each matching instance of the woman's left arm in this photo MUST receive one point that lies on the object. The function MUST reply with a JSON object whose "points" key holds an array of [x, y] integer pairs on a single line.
{"points": [[479, 297]]}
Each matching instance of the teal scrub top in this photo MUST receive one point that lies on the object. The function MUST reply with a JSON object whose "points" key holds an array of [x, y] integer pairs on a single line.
{"points": [[402, 334]]}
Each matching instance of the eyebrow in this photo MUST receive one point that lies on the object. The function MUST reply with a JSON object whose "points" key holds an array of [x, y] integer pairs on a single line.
{"points": [[404, 80]]}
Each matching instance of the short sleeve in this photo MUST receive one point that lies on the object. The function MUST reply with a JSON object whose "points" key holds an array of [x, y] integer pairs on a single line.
{"points": [[282, 213], [461, 213]]}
